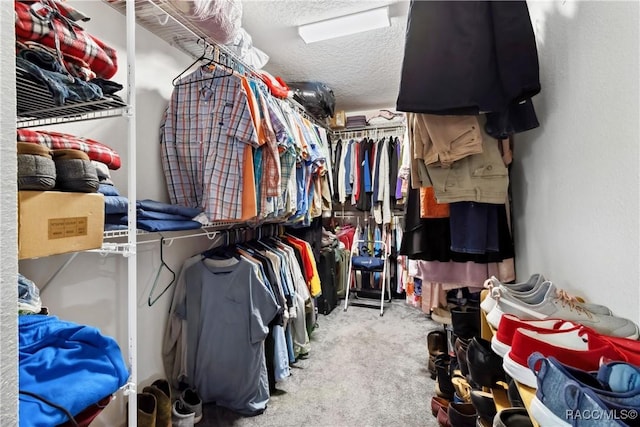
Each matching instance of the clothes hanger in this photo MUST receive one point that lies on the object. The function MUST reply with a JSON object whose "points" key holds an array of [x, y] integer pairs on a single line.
{"points": [[211, 61], [163, 264]]}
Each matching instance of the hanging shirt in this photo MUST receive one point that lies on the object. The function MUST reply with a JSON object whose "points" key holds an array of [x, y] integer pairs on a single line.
{"points": [[203, 136], [229, 308]]}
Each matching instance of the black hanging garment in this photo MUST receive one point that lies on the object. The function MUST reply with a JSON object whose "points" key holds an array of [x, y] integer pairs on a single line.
{"points": [[486, 59], [365, 164]]}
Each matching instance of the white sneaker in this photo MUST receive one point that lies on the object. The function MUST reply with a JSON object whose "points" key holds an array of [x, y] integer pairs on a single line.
{"points": [[181, 416], [191, 402], [532, 292], [558, 305]]}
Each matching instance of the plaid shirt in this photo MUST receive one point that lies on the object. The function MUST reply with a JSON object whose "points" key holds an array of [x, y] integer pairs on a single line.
{"points": [[205, 129], [51, 23], [55, 140]]}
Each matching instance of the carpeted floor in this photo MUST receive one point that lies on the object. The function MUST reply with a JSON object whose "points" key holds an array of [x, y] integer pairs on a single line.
{"points": [[363, 370]]}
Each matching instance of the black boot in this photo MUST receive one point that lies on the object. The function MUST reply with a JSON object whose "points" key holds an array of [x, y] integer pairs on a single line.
{"points": [[444, 386], [436, 345], [465, 321], [485, 366]]}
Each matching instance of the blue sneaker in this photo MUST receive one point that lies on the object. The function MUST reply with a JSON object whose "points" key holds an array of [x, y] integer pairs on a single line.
{"points": [[568, 396]]}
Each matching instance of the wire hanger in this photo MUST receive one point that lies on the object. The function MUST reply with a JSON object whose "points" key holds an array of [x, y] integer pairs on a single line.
{"points": [[163, 264], [210, 61]]}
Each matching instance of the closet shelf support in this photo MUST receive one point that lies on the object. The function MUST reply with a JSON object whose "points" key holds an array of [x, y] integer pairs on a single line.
{"points": [[130, 388]]}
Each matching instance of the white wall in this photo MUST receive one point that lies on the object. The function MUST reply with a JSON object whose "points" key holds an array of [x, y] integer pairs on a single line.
{"points": [[575, 179]]}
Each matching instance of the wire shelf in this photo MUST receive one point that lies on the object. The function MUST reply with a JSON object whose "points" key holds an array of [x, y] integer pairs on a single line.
{"points": [[36, 107]]}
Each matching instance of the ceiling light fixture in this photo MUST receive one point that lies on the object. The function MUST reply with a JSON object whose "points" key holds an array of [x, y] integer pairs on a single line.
{"points": [[345, 25]]}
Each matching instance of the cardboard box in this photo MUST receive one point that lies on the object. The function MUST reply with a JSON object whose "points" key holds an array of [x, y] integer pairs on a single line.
{"points": [[339, 120], [54, 222]]}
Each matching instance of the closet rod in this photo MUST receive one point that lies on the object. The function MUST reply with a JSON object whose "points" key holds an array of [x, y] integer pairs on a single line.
{"points": [[168, 241]]}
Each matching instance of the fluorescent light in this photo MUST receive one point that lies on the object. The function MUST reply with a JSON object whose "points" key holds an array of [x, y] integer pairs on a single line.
{"points": [[345, 25]]}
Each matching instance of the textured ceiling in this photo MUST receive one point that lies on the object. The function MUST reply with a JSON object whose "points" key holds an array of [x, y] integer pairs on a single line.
{"points": [[363, 70]]}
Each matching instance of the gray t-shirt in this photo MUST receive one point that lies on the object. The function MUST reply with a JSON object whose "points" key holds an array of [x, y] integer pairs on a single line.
{"points": [[229, 308]]}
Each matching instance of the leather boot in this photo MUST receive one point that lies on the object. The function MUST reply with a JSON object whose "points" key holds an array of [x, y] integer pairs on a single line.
{"points": [[146, 410], [444, 386], [436, 344], [462, 415], [465, 321], [162, 391], [461, 345], [485, 366]]}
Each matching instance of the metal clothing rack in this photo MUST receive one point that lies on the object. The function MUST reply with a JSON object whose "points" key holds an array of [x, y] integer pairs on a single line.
{"points": [[374, 132]]}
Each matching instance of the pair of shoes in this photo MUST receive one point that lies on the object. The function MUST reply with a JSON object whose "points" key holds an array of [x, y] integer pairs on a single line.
{"points": [[462, 389], [547, 302], [436, 345], [443, 417], [529, 291], [513, 394], [460, 347], [503, 338], [484, 406], [64, 169], [485, 367], [444, 386], [437, 403], [160, 410], [36, 169], [462, 415], [181, 416], [564, 393], [190, 402], [147, 407], [513, 417], [569, 343], [465, 321]]}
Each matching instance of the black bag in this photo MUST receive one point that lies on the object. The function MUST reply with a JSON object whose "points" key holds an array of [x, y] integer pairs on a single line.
{"points": [[328, 300], [316, 97]]}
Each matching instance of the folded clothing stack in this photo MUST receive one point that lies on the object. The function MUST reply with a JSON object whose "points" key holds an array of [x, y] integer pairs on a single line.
{"points": [[151, 215], [356, 121]]}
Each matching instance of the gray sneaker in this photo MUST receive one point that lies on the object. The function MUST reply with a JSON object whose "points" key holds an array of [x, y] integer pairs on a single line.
{"points": [[192, 402], [532, 292], [181, 416], [556, 304]]}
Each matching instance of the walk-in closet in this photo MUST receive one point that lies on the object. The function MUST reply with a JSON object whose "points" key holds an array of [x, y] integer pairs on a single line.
{"points": [[319, 213]]}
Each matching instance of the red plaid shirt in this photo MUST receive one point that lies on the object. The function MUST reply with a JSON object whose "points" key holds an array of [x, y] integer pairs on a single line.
{"points": [[54, 140], [50, 22]]}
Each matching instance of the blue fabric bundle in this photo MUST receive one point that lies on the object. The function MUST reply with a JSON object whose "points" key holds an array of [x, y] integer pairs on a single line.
{"points": [[71, 365]]}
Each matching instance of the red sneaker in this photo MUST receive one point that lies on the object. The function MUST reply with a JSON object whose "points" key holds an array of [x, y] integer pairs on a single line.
{"points": [[501, 341], [580, 348]]}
